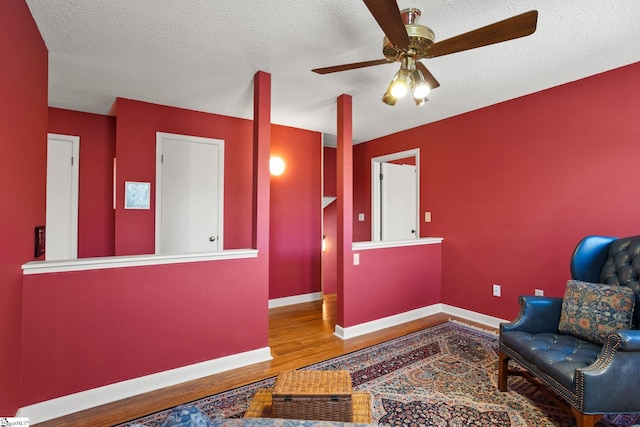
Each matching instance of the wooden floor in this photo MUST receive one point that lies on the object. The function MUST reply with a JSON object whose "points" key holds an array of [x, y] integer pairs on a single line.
{"points": [[299, 335]]}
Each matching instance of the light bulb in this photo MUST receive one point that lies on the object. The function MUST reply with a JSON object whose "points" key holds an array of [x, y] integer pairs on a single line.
{"points": [[421, 90], [419, 87], [398, 88]]}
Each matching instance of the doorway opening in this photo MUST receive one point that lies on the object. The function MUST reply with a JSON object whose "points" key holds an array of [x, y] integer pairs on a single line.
{"points": [[395, 196]]}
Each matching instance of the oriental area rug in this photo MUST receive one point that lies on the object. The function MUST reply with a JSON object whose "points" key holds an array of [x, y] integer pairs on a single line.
{"points": [[445, 375]]}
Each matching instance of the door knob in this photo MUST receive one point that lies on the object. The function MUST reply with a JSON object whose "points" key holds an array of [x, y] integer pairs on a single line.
{"points": [[212, 238]]}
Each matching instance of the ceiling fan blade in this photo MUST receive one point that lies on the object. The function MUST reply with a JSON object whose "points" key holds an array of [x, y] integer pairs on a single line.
{"points": [[388, 16], [508, 29], [431, 81], [353, 66]]}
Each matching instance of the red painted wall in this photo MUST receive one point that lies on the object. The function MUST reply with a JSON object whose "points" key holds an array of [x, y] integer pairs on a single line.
{"points": [[23, 121], [513, 187], [136, 128], [407, 161], [92, 328], [95, 200], [392, 281], [295, 243], [88, 329]]}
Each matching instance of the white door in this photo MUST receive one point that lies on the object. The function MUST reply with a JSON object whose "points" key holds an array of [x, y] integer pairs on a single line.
{"points": [[189, 194], [62, 197], [398, 202]]}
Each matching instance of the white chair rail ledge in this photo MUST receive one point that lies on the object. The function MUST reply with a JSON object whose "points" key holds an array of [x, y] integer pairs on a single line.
{"points": [[361, 246]]}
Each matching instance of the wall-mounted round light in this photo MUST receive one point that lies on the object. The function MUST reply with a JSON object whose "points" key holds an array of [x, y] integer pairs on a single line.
{"points": [[276, 166]]}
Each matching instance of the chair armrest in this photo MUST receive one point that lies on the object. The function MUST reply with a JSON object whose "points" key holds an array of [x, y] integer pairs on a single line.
{"points": [[629, 340], [537, 315], [605, 385]]}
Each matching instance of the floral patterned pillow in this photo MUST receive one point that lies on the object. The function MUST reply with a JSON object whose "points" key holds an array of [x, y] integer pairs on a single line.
{"points": [[591, 310]]}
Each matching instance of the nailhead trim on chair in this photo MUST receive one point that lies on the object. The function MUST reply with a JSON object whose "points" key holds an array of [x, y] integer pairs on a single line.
{"points": [[599, 365], [580, 390], [602, 363]]}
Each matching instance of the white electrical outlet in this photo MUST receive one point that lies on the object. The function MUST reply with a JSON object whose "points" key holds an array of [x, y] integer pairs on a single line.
{"points": [[356, 259], [539, 292], [496, 290], [360, 217], [427, 217]]}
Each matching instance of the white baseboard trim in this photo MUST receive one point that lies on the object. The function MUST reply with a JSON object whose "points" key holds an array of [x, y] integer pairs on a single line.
{"points": [[408, 316], [386, 322], [473, 316], [296, 299], [65, 405]]}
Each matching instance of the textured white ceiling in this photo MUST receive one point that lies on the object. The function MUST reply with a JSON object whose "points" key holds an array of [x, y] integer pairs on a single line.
{"points": [[203, 54]]}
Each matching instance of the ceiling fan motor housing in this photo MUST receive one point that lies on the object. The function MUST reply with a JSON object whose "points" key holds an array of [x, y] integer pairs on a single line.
{"points": [[420, 37]]}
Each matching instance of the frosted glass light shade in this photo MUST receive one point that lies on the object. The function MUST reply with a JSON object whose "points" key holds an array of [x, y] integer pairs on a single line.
{"points": [[276, 166]]}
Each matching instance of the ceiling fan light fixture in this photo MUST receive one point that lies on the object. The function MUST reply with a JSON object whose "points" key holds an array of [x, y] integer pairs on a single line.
{"points": [[408, 42]]}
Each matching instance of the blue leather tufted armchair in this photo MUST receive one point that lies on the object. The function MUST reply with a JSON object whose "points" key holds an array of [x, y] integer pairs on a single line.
{"points": [[588, 378]]}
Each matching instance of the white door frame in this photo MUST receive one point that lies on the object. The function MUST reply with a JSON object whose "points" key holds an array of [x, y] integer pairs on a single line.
{"points": [[375, 189], [75, 168], [188, 139]]}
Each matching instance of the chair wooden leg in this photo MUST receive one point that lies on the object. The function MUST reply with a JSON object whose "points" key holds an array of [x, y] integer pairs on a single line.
{"points": [[585, 420], [503, 371]]}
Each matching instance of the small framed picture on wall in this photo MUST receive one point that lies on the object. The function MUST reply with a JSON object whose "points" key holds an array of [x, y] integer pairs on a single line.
{"points": [[137, 195]]}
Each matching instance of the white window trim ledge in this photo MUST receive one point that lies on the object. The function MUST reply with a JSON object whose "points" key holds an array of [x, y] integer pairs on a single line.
{"points": [[361, 246], [83, 264]]}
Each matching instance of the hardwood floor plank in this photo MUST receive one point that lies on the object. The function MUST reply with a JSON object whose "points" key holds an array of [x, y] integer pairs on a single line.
{"points": [[299, 336]]}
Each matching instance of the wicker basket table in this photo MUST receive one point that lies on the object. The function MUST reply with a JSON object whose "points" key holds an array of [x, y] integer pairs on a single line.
{"points": [[313, 395], [260, 406]]}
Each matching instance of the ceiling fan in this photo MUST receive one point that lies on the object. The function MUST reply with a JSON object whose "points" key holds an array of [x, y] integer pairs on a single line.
{"points": [[407, 42]]}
